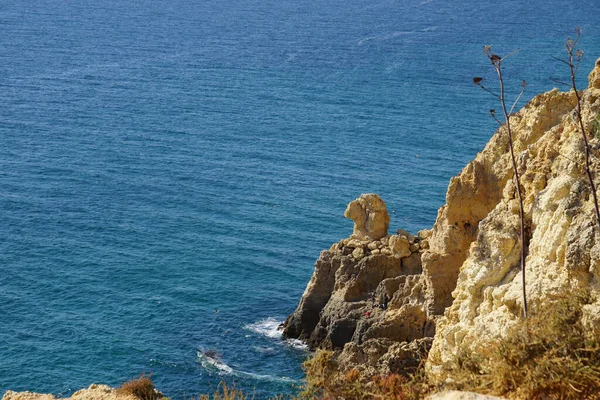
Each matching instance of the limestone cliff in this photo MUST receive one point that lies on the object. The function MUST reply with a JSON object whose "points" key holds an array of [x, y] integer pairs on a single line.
{"points": [[460, 281], [563, 242]]}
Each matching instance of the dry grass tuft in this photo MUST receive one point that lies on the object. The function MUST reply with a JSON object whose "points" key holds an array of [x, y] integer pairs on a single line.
{"points": [[548, 356], [324, 380], [225, 392], [142, 388]]}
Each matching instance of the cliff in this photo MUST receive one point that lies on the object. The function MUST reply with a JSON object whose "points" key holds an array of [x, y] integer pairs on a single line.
{"points": [[563, 242], [458, 286]]}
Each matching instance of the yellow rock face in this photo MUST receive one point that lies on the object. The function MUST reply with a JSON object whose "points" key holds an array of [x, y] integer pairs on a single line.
{"points": [[476, 236], [370, 216], [94, 392]]}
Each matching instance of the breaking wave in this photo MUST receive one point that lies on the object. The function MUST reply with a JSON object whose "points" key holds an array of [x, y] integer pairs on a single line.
{"points": [[271, 328], [210, 361]]}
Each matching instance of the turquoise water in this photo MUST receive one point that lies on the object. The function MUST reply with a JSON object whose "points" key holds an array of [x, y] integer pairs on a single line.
{"points": [[162, 160]]}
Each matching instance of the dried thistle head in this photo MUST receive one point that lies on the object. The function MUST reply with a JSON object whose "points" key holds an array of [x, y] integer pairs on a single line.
{"points": [[578, 30], [569, 44], [487, 49], [523, 84], [477, 80], [579, 54], [492, 112]]}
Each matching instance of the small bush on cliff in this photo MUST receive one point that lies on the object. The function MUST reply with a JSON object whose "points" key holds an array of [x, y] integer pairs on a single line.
{"points": [[142, 388], [548, 356], [225, 392], [324, 380], [596, 127]]}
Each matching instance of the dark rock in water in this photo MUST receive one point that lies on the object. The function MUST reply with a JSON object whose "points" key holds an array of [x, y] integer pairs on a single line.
{"points": [[210, 353]]}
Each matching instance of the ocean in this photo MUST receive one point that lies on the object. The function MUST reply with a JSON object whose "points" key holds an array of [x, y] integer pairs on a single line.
{"points": [[170, 171]]}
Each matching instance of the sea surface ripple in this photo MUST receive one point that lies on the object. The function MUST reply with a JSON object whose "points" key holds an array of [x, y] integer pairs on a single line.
{"points": [[170, 171]]}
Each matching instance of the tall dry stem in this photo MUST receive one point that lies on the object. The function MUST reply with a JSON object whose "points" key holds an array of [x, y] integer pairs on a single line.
{"points": [[496, 61], [574, 58]]}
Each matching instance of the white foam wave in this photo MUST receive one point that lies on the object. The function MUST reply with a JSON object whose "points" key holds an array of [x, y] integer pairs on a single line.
{"points": [[269, 327], [297, 343], [260, 377], [263, 350], [213, 364]]}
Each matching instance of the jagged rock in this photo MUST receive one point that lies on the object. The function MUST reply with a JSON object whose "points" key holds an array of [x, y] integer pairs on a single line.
{"points": [[365, 300], [341, 301], [411, 265], [10, 395], [94, 392], [400, 246], [370, 216], [408, 235], [594, 76], [384, 356], [374, 245], [358, 253], [387, 251]]}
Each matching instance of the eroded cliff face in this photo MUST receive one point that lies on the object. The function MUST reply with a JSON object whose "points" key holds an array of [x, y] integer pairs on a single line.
{"points": [[562, 239], [461, 280]]}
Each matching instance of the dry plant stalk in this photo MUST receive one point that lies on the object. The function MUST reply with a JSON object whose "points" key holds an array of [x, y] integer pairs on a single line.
{"points": [[574, 58], [496, 61]]}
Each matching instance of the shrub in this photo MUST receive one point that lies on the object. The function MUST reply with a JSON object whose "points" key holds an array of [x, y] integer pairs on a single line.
{"points": [[142, 388], [596, 127], [225, 392]]}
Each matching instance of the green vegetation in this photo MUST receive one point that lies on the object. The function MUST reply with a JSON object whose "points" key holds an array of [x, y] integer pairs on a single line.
{"points": [[596, 127]]}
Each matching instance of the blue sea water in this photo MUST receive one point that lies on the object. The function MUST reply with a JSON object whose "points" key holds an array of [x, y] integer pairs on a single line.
{"points": [[162, 160]]}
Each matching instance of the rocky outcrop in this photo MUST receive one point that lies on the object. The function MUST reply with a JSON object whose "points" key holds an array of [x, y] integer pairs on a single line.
{"points": [[370, 216], [461, 281], [365, 297], [94, 392]]}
